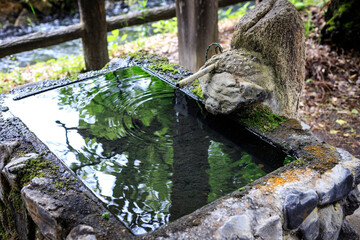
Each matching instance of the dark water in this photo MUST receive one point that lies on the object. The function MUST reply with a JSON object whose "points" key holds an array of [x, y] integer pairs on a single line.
{"points": [[149, 152]]}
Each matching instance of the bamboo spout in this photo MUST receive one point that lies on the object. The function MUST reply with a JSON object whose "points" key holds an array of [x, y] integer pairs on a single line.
{"points": [[196, 75]]}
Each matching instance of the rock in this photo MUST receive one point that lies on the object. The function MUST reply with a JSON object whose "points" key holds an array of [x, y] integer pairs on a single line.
{"points": [[4, 109], [347, 231], [15, 166], [334, 185], [352, 201], [353, 221], [43, 209], [237, 227], [240, 78], [310, 227], [81, 232], [6, 149], [25, 18], [45, 7], [224, 92], [354, 167], [331, 219], [297, 206], [269, 228], [9, 11], [274, 29]]}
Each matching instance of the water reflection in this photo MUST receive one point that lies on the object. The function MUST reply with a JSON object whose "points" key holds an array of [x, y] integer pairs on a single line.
{"points": [[147, 150]]}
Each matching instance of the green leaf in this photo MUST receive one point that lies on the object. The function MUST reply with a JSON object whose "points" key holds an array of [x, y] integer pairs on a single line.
{"points": [[123, 37], [354, 111], [111, 38], [115, 32], [340, 122]]}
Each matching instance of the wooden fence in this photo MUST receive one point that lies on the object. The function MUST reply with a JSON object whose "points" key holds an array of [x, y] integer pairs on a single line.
{"points": [[92, 30]]}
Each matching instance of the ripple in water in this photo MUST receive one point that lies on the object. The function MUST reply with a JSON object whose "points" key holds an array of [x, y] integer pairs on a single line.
{"points": [[145, 149]]}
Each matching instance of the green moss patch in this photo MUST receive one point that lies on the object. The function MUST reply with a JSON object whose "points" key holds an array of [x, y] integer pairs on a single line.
{"points": [[260, 118], [166, 68], [35, 168], [197, 90]]}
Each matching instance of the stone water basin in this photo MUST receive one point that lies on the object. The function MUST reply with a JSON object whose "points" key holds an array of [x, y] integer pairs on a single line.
{"points": [[147, 150]]}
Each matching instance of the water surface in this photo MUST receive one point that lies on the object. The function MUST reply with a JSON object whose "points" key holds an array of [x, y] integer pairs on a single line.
{"points": [[148, 151]]}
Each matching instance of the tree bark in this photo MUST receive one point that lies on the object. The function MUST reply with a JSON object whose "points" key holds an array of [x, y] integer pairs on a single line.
{"points": [[94, 39], [197, 29]]}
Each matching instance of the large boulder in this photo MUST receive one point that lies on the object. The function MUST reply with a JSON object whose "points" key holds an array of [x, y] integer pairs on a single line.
{"points": [[272, 35]]}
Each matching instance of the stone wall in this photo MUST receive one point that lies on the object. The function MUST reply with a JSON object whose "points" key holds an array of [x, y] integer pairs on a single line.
{"points": [[315, 196]]}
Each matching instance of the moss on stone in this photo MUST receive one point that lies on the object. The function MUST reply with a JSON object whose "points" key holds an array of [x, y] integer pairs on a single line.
{"points": [[166, 68], [16, 200], [261, 118], [197, 90], [35, 168]]}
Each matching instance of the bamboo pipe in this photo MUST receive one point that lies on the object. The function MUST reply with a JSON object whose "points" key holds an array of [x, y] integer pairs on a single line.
{"points": [[196, 75]]}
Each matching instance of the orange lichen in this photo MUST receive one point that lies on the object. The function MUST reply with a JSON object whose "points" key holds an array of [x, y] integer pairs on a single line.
{"points": [[324, 157], [290, 175]]}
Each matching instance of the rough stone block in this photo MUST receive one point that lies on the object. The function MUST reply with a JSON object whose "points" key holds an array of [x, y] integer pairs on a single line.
{"points": [[11, 170], [347, 230], [331, 219], [5, 151], [237, 227], [269, 228], [82, 232], [311, 226], [297, 206], [43, 209], [334, 185]]}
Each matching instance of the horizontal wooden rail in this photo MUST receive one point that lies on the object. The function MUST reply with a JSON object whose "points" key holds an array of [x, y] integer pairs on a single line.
{"points": [[40, 40]]}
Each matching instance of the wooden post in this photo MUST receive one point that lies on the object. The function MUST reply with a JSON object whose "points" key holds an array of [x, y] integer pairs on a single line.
{"points": [[197, 29], [94, 39]]}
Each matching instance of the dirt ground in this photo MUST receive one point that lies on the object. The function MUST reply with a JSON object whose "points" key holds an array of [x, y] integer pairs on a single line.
{"points": [[330, 101]]}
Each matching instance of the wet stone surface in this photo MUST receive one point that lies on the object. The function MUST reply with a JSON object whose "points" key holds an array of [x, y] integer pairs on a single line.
{"points": [[297, 206]]}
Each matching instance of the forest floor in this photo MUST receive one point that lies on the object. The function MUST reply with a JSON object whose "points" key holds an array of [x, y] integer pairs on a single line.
{"points": [[330, 100]]}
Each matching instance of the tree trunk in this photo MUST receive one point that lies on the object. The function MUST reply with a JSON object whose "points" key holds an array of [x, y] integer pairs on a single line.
{"points": [[343, 24], [197, 29], [94, 39]]}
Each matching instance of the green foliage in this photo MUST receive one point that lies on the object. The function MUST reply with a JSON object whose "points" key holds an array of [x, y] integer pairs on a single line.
{"points": [[308, 24], [288, 159], [303, 4], [31, 7], [231, 13], [228, 173], [68, 66], [143, 8], [106, 215], [165, 26]]}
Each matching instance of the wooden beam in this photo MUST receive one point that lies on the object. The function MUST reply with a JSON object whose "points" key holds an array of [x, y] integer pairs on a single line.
{"points": [[197, 29], [94, 38], [40, 40], [136, 18]]}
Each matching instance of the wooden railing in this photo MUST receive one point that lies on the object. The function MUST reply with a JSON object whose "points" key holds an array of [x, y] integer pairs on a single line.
{"points": [[86, 30]]}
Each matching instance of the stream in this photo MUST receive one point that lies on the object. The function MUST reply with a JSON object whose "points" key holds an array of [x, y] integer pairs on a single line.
{"points": [[74, 47]]}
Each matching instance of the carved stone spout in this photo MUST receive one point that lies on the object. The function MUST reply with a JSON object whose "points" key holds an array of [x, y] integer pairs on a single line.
{"points": [[266, 64]]}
